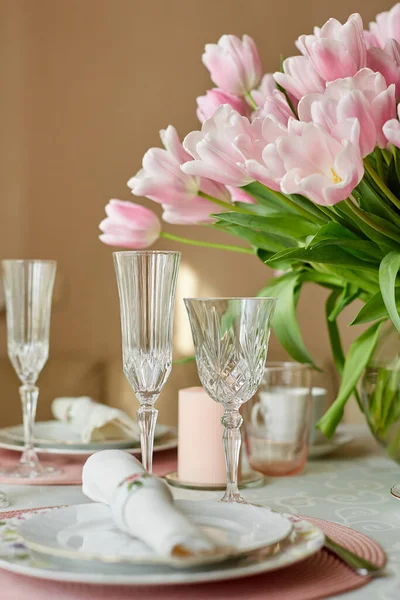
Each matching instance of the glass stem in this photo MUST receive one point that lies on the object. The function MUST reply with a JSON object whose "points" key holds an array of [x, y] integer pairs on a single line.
{"points": [[232, 420], [29, 397], [147, 419]]}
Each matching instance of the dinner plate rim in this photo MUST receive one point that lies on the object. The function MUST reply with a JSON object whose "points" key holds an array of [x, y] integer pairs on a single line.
{"points": [[155, 560], [162, 444], [74, 444], [256, 567]]}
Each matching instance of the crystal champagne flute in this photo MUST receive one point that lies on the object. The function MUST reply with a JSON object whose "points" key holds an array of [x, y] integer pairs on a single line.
{"points": [[146, 285], [231, 344], [28, 287]]}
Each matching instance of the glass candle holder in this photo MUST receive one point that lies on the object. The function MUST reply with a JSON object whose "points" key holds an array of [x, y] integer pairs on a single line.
{"points": [[277, 420]]}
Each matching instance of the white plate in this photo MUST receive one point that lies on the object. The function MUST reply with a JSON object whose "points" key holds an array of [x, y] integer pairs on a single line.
{"points": [[305, 540], [59, 434], [341, 438], [166, 441], [88, 532]]}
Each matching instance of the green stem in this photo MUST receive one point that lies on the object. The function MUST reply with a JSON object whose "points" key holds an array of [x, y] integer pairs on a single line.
{"points": [[364, 217], [379, 163], [381, 184], [388, 153], [182, 240], [251, 100], [229, 207]]}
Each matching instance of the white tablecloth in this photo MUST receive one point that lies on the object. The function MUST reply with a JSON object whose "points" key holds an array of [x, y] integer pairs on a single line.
{"points": [[351, 488]]}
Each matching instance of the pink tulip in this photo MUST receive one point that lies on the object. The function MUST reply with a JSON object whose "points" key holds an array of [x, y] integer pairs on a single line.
{"points": [[387, 62], [370, 40], [265, 89], [386, 27], [208, 104], [129, 225], [391, 129], [309, 161], [198, 209], [221, 148], [299, 77], [269, 169], [319, 167], [239, 195], [365, 97], [234, 64], [162, 180], [336, 50], [189, 213]]}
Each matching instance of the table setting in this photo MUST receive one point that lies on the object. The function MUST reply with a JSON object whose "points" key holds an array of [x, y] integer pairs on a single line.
{"points": [[261, 490], [134, 534]]}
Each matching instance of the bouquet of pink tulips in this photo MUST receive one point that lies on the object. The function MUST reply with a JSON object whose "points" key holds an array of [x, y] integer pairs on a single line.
{"points": [[302, 164]]}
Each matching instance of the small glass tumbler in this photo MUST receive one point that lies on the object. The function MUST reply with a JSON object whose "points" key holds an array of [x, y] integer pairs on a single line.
{"points": [[277, 420]]}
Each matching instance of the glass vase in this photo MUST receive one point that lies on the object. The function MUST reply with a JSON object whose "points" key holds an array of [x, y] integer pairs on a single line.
{"points": [[380, 391]]}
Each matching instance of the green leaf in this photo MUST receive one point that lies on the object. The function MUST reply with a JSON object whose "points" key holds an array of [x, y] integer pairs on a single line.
{"points": [[388, 270], [357, 359], [372, 201], [258, 209], [349, 293], [266, 197], [294, 227], [336, 234], [285, 323], [272, 243], [363, 249], [333, 231], [309, 206], [334, 336], [373, 309], [381, 240], [330, 254]]}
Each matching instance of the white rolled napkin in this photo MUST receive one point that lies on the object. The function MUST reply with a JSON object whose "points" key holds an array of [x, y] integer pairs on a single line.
{"points": [[142, 505], [94, 421]]}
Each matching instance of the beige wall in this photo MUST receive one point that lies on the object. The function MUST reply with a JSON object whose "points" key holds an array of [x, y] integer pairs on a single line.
{"points": [[86, 85]]}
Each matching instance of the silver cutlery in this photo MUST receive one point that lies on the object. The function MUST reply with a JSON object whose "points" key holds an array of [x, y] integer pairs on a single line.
{"points": [[360, 565]]}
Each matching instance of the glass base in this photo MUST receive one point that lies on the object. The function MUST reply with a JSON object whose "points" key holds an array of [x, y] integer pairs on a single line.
{"points": [[232, 498], [27, 472], [395, 491], [4, 501], [249, 479]]}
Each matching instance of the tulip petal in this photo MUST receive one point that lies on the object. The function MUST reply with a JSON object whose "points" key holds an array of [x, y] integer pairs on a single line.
{"points": [[173, 146], [262, 174], [384, 109], [391, 129]]}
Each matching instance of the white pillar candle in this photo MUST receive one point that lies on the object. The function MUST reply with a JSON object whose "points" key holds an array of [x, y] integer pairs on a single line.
{"points": [[201, 456]]}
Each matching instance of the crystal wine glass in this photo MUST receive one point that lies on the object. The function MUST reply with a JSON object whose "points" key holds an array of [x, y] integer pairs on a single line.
{"points": [[146, 285], [231, 343], [28, 287]]}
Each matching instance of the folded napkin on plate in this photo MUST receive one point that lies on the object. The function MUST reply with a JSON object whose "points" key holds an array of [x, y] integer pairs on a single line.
{"points": [[93, 421], [142, 505]]}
